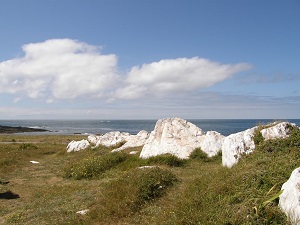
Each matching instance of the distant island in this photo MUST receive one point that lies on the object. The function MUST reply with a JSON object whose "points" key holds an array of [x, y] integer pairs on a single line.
{"points": [[11, 130]]}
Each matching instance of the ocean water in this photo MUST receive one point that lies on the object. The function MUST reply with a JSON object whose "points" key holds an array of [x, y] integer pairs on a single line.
{"points": [[223, 126]]}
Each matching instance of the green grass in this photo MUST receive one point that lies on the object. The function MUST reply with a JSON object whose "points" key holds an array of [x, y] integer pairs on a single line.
{"points": [[195, 191], [128, 194], [95, 166], [167, 159]]}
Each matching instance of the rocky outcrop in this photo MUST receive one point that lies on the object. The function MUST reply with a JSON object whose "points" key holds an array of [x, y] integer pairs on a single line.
{"points": [[235, 145], [180, 138], [278, 130], [111, 139], [172, 135], [134, 141], [93, 139], [211, 143], [77, 145], [289, 200]]}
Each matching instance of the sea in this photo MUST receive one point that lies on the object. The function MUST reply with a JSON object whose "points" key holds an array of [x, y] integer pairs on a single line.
{"points": [[86, 127]]}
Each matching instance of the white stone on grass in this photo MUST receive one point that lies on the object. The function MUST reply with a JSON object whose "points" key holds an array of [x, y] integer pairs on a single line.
{"points": [[83, 212], [289, 200], [77, 145], [147, 167], [133, 152]]}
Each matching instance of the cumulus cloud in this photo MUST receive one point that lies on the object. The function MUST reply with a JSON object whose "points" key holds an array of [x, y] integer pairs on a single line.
{"points": [[67, 69], [176, 75], [59, 69]]}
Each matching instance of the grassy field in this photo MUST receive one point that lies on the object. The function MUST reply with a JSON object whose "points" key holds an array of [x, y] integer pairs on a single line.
{"points": [[116, 191]]}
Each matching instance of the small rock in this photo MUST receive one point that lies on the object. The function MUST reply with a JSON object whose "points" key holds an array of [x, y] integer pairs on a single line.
{"points": [[83, 212], [133, 152], [146, 167]]}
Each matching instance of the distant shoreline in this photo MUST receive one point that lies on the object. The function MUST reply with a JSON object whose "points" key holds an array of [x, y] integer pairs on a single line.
{"points": [[12, 130]]}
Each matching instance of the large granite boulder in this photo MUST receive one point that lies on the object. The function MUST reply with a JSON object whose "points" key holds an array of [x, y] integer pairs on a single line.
{"points": [[77, 145], [235, 145], [172, 135], [289, 200], [211, 143], [134, 141]]}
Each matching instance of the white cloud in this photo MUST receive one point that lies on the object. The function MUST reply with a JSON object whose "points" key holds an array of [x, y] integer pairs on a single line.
{"points": [[176, 75], [68, 69], [59, 68], [131, 91]]}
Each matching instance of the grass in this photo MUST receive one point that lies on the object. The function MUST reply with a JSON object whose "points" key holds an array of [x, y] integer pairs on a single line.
{"points": [[116, 191], [94, 166]]}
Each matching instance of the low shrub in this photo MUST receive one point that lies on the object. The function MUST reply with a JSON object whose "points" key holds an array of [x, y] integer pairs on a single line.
{"points": [[26, 146], [6, 161], [198, 154], [167, 159], [294, 137], [94, 166], [281, 145], [153, 182], [258, 138]]}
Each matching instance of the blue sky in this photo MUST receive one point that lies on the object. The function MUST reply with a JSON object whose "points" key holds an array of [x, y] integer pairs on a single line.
{"points": [[149, 59]]}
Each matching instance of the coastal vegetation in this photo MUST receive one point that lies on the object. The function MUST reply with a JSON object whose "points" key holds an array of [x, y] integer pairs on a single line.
{"points": [[121, 188]]}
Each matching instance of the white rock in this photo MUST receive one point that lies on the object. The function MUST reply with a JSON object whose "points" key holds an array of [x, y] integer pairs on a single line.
{"points": [[289, 200], [93, 139], [77, 145], [133, 152], [112, 138], [134, 141], [147, 167], [83, 212], [212, 143], [34, 162], [108, 140], [279, 130], [237, 144], [172, 135]]}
